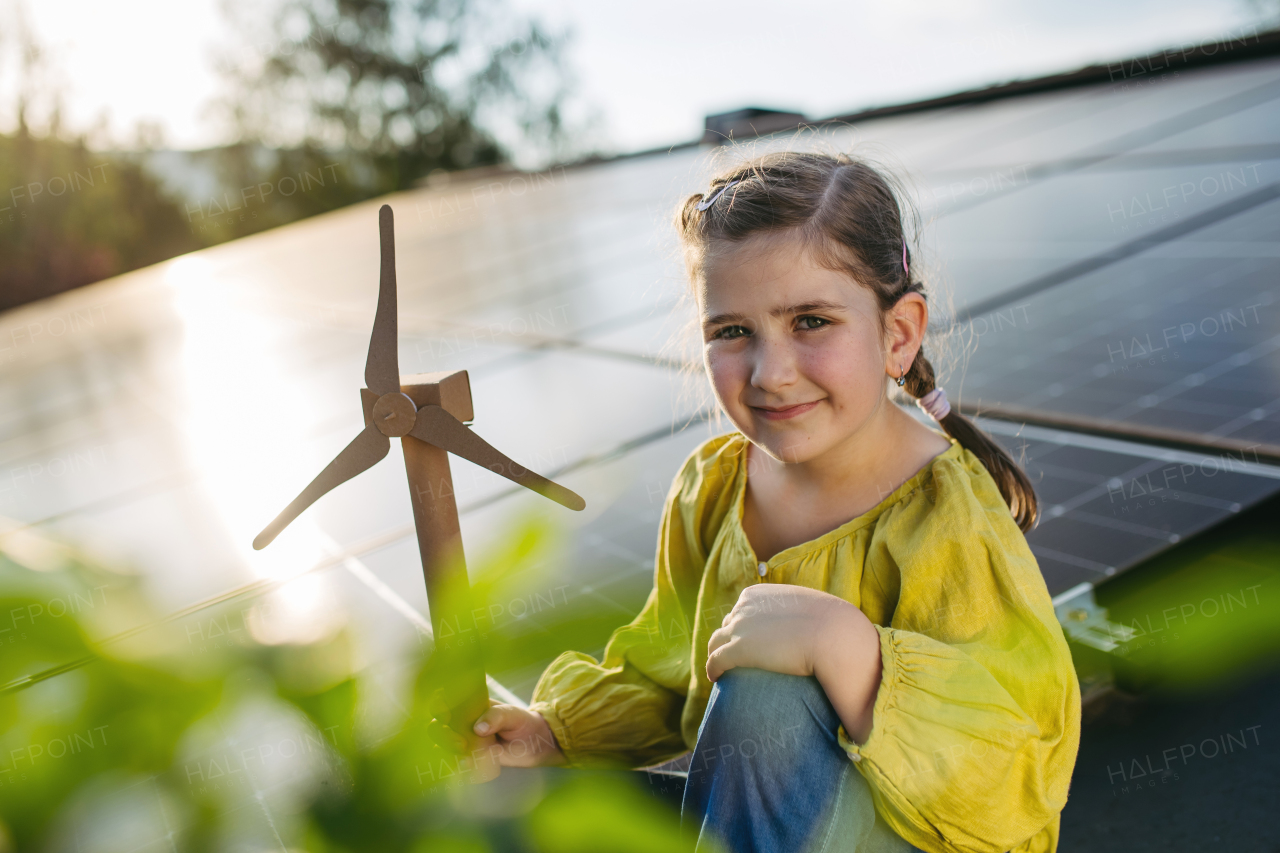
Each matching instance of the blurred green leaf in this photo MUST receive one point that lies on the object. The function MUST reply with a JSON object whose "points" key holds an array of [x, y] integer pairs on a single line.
{"points": [[1206, 614], [182, 727], [603, 812]]}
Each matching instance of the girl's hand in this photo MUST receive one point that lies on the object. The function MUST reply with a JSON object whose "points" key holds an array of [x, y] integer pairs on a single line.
{"points": [[773, 626], [504, 736], [795, 630]]}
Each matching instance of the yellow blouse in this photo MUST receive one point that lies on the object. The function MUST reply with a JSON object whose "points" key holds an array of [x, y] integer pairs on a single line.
{"points": [[977, 719]]}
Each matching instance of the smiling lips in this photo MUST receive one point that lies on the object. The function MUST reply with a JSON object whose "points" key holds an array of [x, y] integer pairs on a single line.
{"points": [[783, 413]]}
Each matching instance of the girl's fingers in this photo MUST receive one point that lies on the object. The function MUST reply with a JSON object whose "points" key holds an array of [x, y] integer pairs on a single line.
{"points": [[718, 638], [499, 718], [445, 736], [720, 661]]}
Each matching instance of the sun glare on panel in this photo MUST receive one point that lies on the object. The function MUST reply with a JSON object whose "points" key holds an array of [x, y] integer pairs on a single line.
{"points": [[240, 408]]}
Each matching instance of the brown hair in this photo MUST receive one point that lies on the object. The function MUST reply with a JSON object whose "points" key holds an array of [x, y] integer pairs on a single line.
{"points": [[848, 214]]}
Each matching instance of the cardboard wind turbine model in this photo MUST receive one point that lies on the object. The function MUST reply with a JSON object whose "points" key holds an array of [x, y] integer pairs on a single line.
{"points": [[426, 412]]}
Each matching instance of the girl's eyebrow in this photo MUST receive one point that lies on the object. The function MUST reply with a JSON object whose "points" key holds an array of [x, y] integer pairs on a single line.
{"points": [[799, 308]]}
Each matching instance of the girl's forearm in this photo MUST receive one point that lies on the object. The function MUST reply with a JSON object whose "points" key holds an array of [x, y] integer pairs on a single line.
{"points": [[846, 663]]}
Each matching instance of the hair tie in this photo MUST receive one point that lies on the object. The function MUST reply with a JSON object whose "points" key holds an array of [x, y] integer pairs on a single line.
{"points": [[707, 202], [935, 404], [905, 269]]}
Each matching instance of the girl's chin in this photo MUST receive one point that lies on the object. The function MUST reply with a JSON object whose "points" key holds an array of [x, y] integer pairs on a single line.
{"points": [[784, 445], [787, 454]]}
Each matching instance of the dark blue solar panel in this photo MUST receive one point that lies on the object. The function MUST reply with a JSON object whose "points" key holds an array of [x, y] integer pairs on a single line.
{"points": [[1185, 338], [1107, 505]]}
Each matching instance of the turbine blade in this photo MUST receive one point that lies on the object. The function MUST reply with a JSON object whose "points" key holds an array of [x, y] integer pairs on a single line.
{"points": [[438, 427], [382, 368], [366, 450]]}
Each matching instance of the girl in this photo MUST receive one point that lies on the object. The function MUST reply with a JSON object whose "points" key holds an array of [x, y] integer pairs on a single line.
{"points": [[847, 626]]}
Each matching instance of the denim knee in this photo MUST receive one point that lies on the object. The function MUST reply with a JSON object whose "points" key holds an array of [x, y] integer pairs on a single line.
{"points": [[767, 767], [753, 711]]}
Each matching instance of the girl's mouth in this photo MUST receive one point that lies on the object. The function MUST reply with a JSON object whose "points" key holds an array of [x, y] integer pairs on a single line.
{"points": [[783, 413]]}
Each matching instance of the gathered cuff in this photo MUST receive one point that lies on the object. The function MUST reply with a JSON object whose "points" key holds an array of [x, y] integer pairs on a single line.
{"points": [[952, 760], [558, 729], [607, 717]]}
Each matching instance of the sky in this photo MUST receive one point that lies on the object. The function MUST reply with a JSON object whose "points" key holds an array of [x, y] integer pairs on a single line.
{"points": [[651, 71]]}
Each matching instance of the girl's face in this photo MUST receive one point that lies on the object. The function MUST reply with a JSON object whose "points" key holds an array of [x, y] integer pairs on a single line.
{"points": [[795, 351]]}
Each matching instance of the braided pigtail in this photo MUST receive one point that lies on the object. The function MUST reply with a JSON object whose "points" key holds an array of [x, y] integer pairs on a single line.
{"points": [[1014, 486]]}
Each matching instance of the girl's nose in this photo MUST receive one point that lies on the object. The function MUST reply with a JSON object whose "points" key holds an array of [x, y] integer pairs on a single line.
{"points": [[774, 364]]}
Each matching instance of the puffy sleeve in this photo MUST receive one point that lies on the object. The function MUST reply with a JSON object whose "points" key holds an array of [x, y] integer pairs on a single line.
{"points": [[626, 709], [977, 720]]}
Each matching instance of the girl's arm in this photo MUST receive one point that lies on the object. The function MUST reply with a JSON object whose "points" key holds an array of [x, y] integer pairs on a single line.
{"points": [[796, 630], [626, 709]]}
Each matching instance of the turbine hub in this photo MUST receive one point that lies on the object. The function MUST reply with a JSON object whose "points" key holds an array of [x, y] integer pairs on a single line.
{"points": [[394, 414]]}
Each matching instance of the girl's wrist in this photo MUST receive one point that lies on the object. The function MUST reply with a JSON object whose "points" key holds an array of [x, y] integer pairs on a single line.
{"points": [[835, 627], [846, 662]]}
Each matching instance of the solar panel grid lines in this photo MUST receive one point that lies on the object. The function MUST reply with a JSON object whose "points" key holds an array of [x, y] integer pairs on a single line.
{"points": [[1250, 128], [1201, 365], [1110, 120], [1123, 251], [1109, 504], [1200, 377], [1134, 161]]}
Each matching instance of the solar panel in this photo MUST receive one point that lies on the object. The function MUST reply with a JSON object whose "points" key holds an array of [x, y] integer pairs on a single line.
{"points": [[1117, 118], [1107, 505], [1055, 229], [1182, 340], [1252, 126]]}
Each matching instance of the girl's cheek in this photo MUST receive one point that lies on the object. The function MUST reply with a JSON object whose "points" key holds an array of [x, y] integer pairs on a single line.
{"points": [[849, 369], [728, 372]]}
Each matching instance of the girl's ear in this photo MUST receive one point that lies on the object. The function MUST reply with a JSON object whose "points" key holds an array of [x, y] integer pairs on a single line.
{"points": [[906, 323]]}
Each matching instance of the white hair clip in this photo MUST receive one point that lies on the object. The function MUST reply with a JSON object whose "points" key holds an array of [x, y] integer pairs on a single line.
{"points": [[707, 202]]}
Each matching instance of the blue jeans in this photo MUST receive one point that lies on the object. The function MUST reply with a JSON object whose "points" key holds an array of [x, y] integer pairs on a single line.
{"points": [[767, 773]]}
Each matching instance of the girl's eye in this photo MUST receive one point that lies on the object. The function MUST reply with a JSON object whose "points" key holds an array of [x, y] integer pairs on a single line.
{"points": [[729, 333], [805, 323]]}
